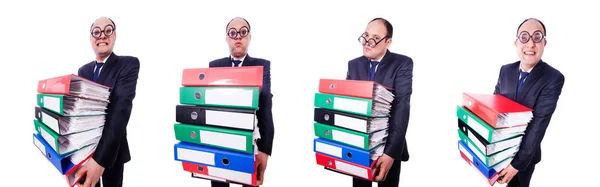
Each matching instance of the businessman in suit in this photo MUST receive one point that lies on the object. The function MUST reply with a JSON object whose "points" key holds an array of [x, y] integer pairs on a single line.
{"points": [[394, 71], [238, 37], [120, 73], [535, 84]]}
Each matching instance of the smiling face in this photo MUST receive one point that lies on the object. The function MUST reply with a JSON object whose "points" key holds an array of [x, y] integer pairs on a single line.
{"points": [[238, 37], [101, 43], [530, 43]]}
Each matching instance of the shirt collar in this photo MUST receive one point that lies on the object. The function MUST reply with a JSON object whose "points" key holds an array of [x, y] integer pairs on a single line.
{"points": [[243, 58], [104, 60]]}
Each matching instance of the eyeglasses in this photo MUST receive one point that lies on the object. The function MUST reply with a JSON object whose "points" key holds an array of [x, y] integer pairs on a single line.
{"points": [[243, 32], [524, 36], [370, 42], [97, 32]]}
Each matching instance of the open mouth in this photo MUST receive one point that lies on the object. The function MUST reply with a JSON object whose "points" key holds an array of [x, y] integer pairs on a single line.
{"points": [[529, 53], [102, 44]]}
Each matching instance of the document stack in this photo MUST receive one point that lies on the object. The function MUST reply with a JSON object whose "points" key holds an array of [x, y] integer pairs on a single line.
{"points": [[69, 119], [217, 124], [490, 128], [351, 125]]}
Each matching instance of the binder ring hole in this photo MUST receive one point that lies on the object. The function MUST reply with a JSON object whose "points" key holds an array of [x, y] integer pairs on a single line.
{"points": [[197, 95], [225, 161], [193, 134], [194, 115], [200, 168], [329, 162], [328, 101], [465, 117], [44, 85], [326, 132], [470, 103], [349, 154], [201, 76], [326, 117], [42, 100], [49, 156], [39, 115], [331, 86]]}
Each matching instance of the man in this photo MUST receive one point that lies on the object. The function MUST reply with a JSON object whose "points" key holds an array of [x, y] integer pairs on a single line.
{"points": [[238, 38], [394, 71], [535, 84], [121, 74]]}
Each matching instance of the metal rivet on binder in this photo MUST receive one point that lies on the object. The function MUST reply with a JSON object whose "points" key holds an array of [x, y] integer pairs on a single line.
{"points": [[200, 168], [329, 162], [331, 86], [49, 156], [197, 95], [193, 134], [194, 115], [326, 117], [201, 76], [349, 155], [328, 101], [225, 161], [326, 132]]}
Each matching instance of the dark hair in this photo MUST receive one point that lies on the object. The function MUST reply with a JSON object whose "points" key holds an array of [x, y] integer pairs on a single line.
{"points": [[226, 27], [388, 26], [543, 27], [111, 21]]}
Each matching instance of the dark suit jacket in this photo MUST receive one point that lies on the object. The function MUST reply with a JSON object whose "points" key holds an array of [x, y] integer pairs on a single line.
{"points": [[540, 92], [120, 73], [265, 102], [394, 71]]}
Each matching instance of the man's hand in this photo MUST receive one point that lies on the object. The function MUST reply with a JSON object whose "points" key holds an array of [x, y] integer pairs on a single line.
{"points": [[383, 165], [507, 174], [92, 170], [261, 160]]}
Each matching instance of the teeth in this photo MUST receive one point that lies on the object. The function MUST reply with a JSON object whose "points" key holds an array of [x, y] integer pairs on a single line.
{"points": [[529, 53]]}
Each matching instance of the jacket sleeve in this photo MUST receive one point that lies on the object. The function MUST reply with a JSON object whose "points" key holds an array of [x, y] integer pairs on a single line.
{"points": [[400, 110], [119, 111]]}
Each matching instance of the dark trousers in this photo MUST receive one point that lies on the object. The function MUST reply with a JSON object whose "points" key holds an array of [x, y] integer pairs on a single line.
{"points": [[392, 179], [222, 184], [112, 177], [522, 178]]}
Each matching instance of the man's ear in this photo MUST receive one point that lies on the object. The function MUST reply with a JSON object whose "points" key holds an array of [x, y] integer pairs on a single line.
{"points": [[515, 43], [388, 42], [545, 41]]}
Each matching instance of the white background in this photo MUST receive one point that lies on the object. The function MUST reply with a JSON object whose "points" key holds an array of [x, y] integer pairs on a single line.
{"points": [[456, 46]]}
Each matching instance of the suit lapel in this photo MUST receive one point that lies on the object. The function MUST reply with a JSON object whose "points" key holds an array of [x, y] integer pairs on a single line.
{"points": [[363, 71], [536, 73], [381, 68], [108, 65], [249, 61], [513, 79]]}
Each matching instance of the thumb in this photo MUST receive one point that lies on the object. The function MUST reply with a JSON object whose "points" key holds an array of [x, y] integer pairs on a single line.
{"points": [[81, 171]]}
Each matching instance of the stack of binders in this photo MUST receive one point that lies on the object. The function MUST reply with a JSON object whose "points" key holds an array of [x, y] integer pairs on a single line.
{"points": [[351, 125], [490, 128], [69, 119], [217, 124]]}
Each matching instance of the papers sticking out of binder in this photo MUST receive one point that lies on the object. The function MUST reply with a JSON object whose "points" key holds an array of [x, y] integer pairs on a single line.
{"points": [[497, 110], [75, 86]]}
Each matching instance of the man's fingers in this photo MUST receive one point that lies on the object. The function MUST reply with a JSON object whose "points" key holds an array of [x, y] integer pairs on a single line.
{"points": [[80, 172]]}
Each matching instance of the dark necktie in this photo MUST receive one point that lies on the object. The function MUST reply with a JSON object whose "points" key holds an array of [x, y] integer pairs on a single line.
{"points": [[372, 72], [236, 63], [97, 71], [521, 80]]}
